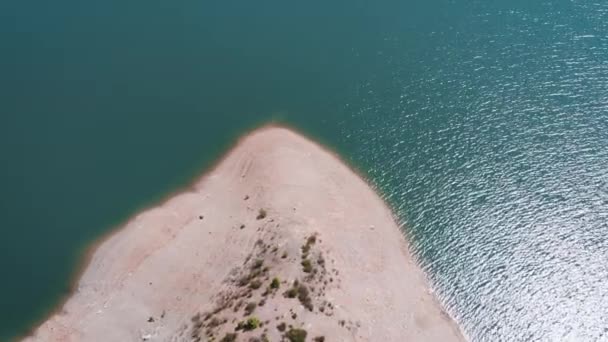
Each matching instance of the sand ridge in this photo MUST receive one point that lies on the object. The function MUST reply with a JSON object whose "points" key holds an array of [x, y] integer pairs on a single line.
{"points": [[279, 241]]}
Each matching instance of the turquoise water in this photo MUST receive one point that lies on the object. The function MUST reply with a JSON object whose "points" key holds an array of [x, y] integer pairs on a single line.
{"points": [[484, 124]]}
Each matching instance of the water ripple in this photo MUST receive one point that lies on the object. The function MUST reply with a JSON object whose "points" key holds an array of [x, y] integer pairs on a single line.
{"points": [[492, 146]]}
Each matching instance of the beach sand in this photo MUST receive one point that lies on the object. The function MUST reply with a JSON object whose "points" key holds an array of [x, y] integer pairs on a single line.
{"points": [[277, 206]]}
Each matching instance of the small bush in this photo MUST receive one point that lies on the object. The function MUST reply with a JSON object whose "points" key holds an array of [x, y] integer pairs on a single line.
{"points": [[311, 240], [243, 281], [275, 283], [296, 335], [306, 266], [281, 327], [251, 323], [321, 261], [214, 322], [319, 339], [255, 284], [304, 297], [261, 214], [305, 249], [291, 293], [257, 264], [229, 337], [250, 308], [238, 305]]}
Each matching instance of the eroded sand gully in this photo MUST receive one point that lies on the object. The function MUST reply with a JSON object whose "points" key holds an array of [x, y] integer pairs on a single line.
{"points": [[281, 239]]}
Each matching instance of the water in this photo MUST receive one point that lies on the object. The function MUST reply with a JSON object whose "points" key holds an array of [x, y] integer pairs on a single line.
{"points": [[483, 123]]}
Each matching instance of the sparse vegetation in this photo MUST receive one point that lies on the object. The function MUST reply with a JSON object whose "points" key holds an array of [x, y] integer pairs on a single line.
{"points": [[296, 335], [281, 327], [319, 339], [197, 325], [303, 294], [275, 283], [256, 271]]}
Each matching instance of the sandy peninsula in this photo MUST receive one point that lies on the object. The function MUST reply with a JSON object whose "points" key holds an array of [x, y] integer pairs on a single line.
{"points": [[279, 242]]}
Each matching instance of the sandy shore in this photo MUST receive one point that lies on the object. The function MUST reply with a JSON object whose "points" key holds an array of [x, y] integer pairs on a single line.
{"points": [[281, 231]]}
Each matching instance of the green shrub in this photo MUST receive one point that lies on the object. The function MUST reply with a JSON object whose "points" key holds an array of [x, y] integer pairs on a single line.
{"points": [[251, 323], [275, 283], [296, 335]]}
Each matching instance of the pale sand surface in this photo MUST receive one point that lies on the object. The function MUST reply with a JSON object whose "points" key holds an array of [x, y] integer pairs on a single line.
{"points": [[173, 272]]}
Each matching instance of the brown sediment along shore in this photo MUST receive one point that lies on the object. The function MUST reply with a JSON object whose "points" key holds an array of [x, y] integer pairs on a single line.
{"points": [[281, 239]]}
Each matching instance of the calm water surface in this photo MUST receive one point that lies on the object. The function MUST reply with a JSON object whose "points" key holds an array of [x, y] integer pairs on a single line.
{"points": [[484, 124]]}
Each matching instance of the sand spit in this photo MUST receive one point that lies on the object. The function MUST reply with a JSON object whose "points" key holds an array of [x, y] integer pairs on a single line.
{"points": [[280, 241]]}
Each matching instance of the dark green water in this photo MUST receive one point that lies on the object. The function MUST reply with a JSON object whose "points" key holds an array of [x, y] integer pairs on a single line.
{"points": [[484, 123]]}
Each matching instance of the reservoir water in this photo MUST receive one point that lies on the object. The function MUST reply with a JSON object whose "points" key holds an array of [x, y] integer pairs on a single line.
{"points": [[483, 123]]}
